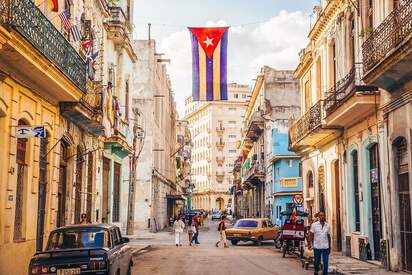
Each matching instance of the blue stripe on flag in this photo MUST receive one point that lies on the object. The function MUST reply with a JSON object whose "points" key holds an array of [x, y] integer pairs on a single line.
{"points": [[195, 71], [223, 66], [209, 79]]}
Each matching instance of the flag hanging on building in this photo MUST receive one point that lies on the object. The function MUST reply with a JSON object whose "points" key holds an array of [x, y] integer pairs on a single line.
{"points": [[64, 17], [209, 63], [53, 4], [87, 47], [75, 33]]}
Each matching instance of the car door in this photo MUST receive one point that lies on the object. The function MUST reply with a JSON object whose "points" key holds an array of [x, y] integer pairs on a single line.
{"points": [[115, 262], [124, 257], [273, 230], [265, 231]]}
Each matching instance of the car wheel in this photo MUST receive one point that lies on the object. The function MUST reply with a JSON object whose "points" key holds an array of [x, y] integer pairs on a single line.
{"points": [[259, 241], [234, 242]]}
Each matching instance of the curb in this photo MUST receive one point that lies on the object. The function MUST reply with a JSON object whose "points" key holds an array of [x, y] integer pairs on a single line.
{"points": [[137, 250]]}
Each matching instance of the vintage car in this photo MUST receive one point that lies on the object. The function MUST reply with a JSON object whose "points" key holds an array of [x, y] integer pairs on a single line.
{"points": [[84, 249], [216, 215], [256, 230]]}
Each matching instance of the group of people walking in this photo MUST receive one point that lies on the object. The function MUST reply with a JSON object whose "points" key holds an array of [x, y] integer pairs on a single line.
{"points": [[192, 228]]}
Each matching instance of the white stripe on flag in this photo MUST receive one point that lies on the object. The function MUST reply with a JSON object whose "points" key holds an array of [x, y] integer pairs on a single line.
{"points": [[75, 32]]}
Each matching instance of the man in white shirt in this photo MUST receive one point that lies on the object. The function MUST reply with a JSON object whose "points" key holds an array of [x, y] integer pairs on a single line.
{"points": [[178, 227], [319, 239]]}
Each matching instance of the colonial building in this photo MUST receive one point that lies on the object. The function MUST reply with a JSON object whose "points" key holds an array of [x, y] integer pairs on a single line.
{"points": [[274, 99], [47, 80], [287, 181], [386, 51], [341, 134], [215, 128], [156, 171]]}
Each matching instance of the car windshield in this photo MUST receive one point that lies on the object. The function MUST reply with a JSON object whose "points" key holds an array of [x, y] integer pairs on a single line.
{"points": [[246, 223], [78, 238]]}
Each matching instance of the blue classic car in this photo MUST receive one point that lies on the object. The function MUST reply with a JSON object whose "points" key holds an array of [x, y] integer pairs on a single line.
{"points": [[84, 249]]}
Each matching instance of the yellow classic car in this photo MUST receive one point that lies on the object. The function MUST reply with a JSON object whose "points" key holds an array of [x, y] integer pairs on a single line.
{"points": [[256, 230]]}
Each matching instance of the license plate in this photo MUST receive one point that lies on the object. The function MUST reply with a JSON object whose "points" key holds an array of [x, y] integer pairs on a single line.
{"points": [[68, 271]]}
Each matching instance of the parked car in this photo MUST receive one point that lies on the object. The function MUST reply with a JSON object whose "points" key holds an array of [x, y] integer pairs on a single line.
{"points": [[256, 230], [84, 249], [216, 215]]}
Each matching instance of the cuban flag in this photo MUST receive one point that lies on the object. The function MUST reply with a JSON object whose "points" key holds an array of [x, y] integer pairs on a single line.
{"points": [[209, 52]]}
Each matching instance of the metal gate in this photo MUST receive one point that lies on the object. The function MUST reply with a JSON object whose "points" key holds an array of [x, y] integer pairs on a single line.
{"points": [[375, 200], [41, 207], [21, 167]]}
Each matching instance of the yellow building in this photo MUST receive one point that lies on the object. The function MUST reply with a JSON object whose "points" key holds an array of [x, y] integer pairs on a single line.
{"points": [[38, 70]]}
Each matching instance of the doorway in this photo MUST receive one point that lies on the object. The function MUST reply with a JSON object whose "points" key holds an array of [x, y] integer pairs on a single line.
{"points": [[41, 207], [61, 192], [89, 186], [106, 175], [116, 192], [78, 185], [375, 200], [337, 206], [404, 204], [321, 186]]}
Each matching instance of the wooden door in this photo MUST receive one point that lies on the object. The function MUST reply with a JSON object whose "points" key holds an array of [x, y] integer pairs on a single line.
{"points": [[105, 191]]}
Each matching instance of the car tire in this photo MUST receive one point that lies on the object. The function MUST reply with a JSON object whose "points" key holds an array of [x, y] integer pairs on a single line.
{"points": [[234, 242], [259, 241]]}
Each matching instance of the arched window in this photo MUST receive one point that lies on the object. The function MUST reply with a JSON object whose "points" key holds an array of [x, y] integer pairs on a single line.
{"points": [[21, 152], [355, 176]]}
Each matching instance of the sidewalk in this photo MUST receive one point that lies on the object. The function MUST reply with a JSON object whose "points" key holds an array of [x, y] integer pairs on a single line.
{"points": [[347, 265]]}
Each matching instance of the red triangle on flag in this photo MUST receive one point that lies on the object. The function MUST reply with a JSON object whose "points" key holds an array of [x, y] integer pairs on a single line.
{"points": [[208, 38]]}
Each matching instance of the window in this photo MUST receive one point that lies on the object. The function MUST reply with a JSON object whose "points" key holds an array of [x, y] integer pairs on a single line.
{"points": [[290, 163], [236, 96], [126, 111], [232, 109], [232, 122], [232, 136], [89, 238], [243, 96], [232, 151]]}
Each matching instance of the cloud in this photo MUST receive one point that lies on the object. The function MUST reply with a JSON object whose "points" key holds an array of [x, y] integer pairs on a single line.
{"points": [[275, 43]]}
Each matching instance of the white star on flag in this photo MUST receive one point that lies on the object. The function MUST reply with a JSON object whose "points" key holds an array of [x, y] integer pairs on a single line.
{"points": [[208, 41]]}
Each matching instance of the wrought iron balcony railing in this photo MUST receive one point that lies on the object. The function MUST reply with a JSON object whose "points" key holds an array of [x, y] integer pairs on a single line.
{"points": [[28, 20], [311, 120], [345, 88], [388, 35]]}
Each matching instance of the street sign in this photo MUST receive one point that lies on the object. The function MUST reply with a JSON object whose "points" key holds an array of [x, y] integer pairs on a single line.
{"points": [[298, 199], [30, 131]]}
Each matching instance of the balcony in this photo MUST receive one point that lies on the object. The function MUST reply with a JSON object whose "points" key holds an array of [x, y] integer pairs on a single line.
{"points": [[118, 25], [220, 160], [387, 53], [253, 174], [220, 145], [287, 185], [349, 96], [220, 130], [29, 42], [255, 126], [220, 176], [117, 142], [87, 113], [310, 131]]}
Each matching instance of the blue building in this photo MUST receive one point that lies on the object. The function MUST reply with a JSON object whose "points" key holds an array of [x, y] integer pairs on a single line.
{"points": [[287, 181]]}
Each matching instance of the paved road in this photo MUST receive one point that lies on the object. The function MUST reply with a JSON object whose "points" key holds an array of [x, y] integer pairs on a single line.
{"points": [[164, 258]]}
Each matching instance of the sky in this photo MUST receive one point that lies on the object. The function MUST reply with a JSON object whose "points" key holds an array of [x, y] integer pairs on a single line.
{"points": [[262, 32]]}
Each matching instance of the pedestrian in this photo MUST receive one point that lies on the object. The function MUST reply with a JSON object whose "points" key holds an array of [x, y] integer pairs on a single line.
{"points": [[196, 231], [202, 218], [190, 231], [221, 228], [83, 219], [319, 239], [178, 227]]}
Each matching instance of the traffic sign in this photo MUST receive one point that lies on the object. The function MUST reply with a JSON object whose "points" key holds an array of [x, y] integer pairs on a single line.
{"points": [[298, 199], [30, 131]]}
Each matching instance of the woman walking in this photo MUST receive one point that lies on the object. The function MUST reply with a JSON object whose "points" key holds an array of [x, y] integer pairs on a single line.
{"points": [[178, 227], [221, 228], [190, 231]]}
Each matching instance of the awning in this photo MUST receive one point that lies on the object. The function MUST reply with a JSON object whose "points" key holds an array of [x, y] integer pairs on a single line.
{"points": [[176, 197]]}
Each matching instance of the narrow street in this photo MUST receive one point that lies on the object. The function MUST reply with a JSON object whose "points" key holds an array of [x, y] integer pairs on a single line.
{"points": [[246, 258]]}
